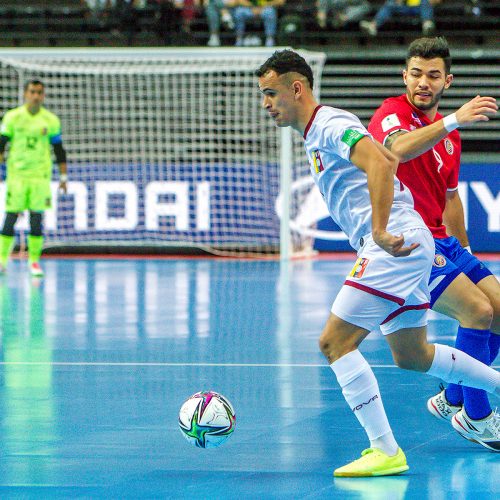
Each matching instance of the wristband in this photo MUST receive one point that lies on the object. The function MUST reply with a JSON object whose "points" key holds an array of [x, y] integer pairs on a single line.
{"points": [[468, 249], [63, 177], [450, 122]]}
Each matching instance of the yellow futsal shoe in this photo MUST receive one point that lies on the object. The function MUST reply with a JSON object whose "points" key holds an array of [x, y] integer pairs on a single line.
{"points": [[374, 462]]}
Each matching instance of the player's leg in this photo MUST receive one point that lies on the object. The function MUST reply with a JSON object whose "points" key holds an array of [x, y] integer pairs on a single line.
{"points": [[35, 243], [454, 294], [411, 351], [354, 314], [465, 302], [374, 290], [7, 239], [473, 306], [16, 196], [476, 421], [491, 288], [39, 200]]}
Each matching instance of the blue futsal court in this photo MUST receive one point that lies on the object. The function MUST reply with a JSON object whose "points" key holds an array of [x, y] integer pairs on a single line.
{"points": [[97, 358]]}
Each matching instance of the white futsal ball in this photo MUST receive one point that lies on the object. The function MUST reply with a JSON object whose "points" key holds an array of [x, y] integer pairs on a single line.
{"points": [[207, 419]]}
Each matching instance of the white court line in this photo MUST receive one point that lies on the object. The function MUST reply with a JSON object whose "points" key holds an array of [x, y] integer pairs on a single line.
{"points": [[221, 365]]}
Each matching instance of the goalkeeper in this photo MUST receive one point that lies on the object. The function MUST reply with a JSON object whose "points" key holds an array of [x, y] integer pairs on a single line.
{"points": [[31, 130]]}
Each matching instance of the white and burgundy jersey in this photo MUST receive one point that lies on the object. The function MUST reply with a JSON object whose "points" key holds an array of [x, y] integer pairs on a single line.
{"points": [[430, 175], [328, 137]]}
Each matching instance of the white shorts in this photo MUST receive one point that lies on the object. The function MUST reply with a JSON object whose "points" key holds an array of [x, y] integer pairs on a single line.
{"points": [[386, 291]]}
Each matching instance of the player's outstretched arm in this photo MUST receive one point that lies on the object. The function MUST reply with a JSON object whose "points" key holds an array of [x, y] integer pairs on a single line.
{"points": [[380, 167], [409, 145]]}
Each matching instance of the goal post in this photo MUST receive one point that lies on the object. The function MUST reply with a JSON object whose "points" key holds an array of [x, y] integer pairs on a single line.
{"points": [[168, 148]]}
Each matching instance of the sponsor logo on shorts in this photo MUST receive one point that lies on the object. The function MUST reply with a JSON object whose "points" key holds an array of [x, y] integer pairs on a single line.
{"points": [[448, 146], [359, 268], [439, 261]]}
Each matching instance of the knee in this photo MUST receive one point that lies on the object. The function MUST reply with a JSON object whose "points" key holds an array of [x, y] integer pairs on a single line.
{"points": [[334, 344], [419, 360], [9, 223], [36, 223], [481, 313], [332, 348]]}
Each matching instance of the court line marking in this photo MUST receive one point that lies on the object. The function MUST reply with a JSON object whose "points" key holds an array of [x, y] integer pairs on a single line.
{"points": [[146, 364], [132, 363]]}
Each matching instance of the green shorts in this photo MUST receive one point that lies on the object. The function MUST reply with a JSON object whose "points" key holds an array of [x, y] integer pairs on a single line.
{"points": [[28, 194]]}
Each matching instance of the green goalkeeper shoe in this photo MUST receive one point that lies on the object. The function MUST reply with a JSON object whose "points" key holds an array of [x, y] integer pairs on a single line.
{"points": [[374, 462]]}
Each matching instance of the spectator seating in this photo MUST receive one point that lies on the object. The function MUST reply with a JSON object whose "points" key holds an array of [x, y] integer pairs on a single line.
{"points": [[67, 23]]}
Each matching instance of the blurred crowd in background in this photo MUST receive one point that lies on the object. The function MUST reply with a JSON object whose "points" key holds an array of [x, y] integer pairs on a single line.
{"points": [[239, 22]]}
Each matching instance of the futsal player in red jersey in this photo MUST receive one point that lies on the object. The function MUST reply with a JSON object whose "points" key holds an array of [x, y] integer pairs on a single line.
{"points": [[461, 286]]}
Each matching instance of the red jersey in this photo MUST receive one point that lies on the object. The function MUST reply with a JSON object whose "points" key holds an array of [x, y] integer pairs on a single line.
{"points": [[430, 175]]}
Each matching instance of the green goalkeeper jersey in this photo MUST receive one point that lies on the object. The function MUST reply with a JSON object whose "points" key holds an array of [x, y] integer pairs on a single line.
{"points": [[30, 136]]}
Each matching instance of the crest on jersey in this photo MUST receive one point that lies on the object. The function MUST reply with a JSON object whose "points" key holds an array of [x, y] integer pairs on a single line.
{"points": [[439, 261], [359, 268], [448, 146], [318, 164], [44, 131]]}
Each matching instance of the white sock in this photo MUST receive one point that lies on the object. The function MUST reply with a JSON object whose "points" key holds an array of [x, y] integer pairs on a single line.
{"points": [[457, 367], [361, 391]]}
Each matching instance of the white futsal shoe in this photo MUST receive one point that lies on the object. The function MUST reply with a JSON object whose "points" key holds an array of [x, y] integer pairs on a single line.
{"points": [[35, 270], [486, 431], [440, 407]]}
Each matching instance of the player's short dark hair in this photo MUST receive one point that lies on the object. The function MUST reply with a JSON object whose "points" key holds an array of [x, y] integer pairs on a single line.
{"points": [[430, 48], [33, 81], [287, 61]]}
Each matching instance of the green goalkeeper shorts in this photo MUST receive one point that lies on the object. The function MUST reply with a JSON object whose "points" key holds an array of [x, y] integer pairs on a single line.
{"points": [[28, 194]]}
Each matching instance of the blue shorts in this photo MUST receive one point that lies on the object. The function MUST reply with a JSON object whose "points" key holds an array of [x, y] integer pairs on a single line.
{"points": [[451, 260]]}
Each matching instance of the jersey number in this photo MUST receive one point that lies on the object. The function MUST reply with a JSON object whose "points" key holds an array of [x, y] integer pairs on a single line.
{"points": [[31, 142], [438, 159]]}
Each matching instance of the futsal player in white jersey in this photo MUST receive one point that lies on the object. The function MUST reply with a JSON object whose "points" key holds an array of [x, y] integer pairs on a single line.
{"points": [[387, 286]]}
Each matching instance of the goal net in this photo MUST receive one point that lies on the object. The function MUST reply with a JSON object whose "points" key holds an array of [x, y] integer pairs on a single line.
{"points": [[167, 148]]}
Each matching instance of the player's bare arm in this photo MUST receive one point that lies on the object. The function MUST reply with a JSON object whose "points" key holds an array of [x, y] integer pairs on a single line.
{"points": [[408, 145], [379, 167], [453, 218], [390, 156]]}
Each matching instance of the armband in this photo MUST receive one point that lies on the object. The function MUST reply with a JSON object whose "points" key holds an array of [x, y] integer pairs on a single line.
{"points": [[63, 177], [450, 122]]}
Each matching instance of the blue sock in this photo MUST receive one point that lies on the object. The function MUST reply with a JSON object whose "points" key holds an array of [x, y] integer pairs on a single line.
{"points": [[494, 344], [475, 343]]}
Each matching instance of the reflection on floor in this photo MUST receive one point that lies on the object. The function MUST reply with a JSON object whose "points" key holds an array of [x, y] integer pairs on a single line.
{"points": [[97, 358]]}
